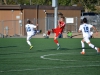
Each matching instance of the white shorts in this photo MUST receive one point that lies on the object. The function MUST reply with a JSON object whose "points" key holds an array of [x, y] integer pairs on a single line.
{"points": [[86, 39]]}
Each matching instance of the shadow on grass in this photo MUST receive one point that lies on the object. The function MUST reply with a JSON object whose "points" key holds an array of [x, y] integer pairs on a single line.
{"points": [[16, 53], [40, 50], [8, 47], [73, 48], [55, 49], [76, 35]]}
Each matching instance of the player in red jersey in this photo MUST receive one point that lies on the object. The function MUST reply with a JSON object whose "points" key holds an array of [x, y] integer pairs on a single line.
{"points": [[57, 31]]}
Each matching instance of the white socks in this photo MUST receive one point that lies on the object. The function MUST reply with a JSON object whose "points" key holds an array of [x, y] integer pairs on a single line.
{"points": [[92, 46], [82, 43], [57, 44], [29, 43]]}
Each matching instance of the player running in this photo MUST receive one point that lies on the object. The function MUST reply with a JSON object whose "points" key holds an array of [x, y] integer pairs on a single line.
{"points": [[30, 29], [85, 28], [57, 31]]}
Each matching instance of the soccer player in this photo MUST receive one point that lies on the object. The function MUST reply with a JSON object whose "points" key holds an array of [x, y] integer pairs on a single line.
{"points": [[69, 34], [57, 31], [30, 32], [85, 28]]}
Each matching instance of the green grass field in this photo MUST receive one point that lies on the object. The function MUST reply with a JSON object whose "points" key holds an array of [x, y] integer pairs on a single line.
{"points": [[44, 59]]}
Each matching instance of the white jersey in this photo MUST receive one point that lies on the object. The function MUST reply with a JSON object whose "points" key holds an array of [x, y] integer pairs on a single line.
{"points": [[85, 28], [30, 29]]}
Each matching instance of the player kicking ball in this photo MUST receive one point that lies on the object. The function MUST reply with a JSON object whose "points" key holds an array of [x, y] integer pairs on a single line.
{"points": [[30, 29], [85, 28], [57, 31]]}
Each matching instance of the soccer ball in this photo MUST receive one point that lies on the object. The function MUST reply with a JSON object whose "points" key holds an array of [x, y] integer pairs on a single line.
{"points": [[44, 35]]}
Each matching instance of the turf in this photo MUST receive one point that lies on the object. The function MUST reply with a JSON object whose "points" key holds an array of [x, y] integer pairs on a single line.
{"points": [[44, 59]]}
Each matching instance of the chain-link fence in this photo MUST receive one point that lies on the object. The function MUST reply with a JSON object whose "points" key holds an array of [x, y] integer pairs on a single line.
{"points": [[17, 27], [10, 28], [72, 24], [1, 29], [94, 20]]}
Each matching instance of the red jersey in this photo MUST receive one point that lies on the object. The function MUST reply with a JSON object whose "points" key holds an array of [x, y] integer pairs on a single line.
{"points": [[62, 26], [59, 28]]}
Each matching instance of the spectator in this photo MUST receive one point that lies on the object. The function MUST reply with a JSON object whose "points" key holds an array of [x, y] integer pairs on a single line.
{"points": [[69, 34]]}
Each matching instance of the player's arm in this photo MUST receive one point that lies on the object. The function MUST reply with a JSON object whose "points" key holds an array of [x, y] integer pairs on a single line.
{"points": [[94, 28], [62, 25], [59, 23], [35, 26], [79, 29], [96, 31]]}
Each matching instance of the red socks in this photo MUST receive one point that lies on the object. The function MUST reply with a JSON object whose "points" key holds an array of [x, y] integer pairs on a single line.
{"points": [[48, 33], [56, 41]]}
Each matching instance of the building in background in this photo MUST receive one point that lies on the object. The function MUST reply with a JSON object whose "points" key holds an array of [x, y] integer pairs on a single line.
{"points": [[13, 17]]}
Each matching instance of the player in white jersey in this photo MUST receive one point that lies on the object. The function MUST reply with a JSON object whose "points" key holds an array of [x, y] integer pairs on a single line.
{"points": [[85, 29], [30, 29]]}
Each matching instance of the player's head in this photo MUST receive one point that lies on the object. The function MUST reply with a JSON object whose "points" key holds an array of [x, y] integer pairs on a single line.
{"points": [[84, 20], [28, 21], [62, 18]]}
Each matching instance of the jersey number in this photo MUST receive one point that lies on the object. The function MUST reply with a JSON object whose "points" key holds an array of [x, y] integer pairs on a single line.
{"points": [[86, 29], [28, 29]]}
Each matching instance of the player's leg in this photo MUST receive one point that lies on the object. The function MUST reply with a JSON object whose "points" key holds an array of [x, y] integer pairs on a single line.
{"points": [[37, 31], [56, 41], [28, 41], [48, 33], [51, 31], [83, 45], [91, 45]]}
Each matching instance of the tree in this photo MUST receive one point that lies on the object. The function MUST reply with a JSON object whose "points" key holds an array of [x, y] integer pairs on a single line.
{"points": [[64, 2], [89, 5], [5, 1], [41, 2]]}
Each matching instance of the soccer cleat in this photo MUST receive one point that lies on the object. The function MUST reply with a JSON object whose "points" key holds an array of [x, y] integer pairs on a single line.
{"points": [[40, 31], [82, 53], [58, 47], [31, 47], [98, 50]]}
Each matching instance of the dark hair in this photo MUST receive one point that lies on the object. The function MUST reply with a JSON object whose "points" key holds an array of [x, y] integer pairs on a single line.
{"points": [[63, 17], [85, 20], [28, 21]]}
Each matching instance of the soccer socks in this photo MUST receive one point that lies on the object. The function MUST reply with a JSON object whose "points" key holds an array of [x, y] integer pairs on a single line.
{"points": [[56, 41], [48, 33], [92, 46], [82, 43], [29, 43]]}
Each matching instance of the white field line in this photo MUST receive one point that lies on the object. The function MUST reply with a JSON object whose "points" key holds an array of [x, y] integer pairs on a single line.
{"points": [[44, 57], [49, 68], [47, 57]]}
